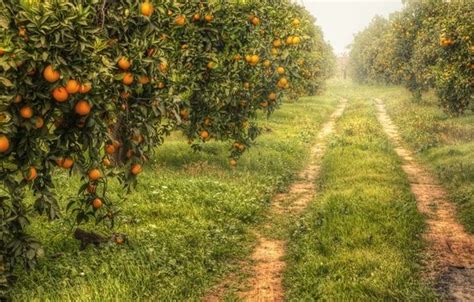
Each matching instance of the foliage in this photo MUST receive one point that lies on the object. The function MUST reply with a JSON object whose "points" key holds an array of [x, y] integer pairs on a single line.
{"points": [[94, 86], [427, 45]]}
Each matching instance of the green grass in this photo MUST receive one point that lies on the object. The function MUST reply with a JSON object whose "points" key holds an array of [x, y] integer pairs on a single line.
{"points": [[444, 143], [360, 239], [188, 221]]}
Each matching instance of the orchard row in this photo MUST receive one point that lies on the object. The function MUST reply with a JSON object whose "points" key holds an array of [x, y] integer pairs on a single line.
{"points": [[428, 45], [93, 87]]}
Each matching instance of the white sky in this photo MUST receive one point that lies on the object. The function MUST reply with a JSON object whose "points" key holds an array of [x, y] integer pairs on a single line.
{"points": [[341, 19]]}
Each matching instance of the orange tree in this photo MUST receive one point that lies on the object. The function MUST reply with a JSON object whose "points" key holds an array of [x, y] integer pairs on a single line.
{"points": [[427, 45], [94, 86]]}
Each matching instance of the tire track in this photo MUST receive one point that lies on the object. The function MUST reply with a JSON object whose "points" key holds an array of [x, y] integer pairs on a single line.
{"points": [[268, 263], [449, 259]]}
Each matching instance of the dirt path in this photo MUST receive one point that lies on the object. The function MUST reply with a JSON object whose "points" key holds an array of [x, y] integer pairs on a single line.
{"points": [[450, 254], [267, 259]]}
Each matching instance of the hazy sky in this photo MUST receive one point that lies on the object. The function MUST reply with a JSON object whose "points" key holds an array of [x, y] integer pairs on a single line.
{"points": [[341, 19]]}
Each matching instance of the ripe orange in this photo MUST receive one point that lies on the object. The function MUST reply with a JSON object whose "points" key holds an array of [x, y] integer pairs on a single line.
{"points": [[209, 18], [264, 104], [85, 88], [2, 51], [147, 9], [281, 70], [272, 96], [237, 57], [197, 17], [32, 174], [204, 134], [161, 85], [296, 40], [277, 43], [39, 122], [127, 79], [267, 63], [274, 51], [26, 112], [233, 162], [4, 143], [60, 94], [82, 107], [211, 65], [136, 169], [18, 99], [97, 203], [72, 86], [255, 21], [143, 80], [50, 74], [295, 22], [110, 149], [180, 20], [123, 63], [94, 174], [106, 162], [67, 163], [119, 240], [289, 40], [254, 59], [163, 67]]}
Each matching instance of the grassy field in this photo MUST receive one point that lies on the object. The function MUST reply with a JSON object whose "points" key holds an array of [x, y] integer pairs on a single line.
{"points": [[444, 143], [188, 221], [360, 238]]}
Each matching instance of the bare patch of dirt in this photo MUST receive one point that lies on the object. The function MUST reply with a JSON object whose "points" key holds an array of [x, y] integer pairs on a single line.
{"points": [[268, 263], [450, 255]]}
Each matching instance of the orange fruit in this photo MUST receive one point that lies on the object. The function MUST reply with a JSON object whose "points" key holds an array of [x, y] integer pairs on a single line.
{"points": [[143, 80], [209, 18], [119, 240], [94, 174], [97, 203], [32, 174], [67, 163], [267, 63], [204, 134], [123, 63], [277, 43], [50, 74], [110, 149], [255, 21], [254, 59], [39, 122], [163, 67], [211, 65], [281, 70], [2, 51], [146, 9], [82, 107], [85, 88], [180, 20], [237, 57], [272, 96], [60, 94], [106, 162], [233, 162], [161, 85], [296, 22], [72, 86], [296, 40], [289, 40], [4, 143], [26, 112], [127, 79], [136, 169], [264, 104], [197, 17], [18, 99]]}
